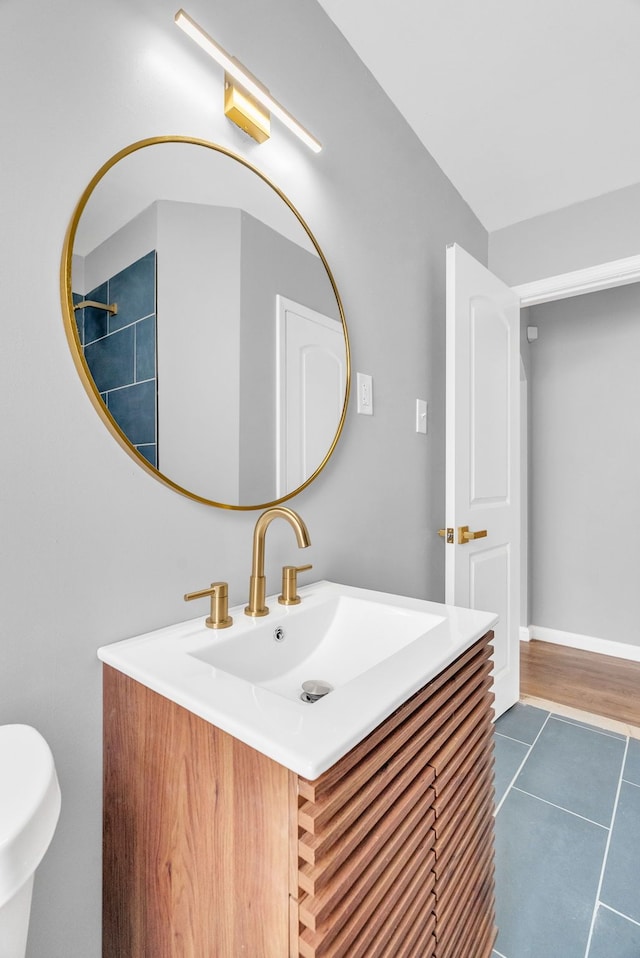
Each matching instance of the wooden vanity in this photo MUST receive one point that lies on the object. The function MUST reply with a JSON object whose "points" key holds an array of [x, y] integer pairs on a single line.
{"points": [[213, 850]]}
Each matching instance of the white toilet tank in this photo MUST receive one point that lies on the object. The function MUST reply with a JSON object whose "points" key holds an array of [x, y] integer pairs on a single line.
{"points": [[29, 810]]}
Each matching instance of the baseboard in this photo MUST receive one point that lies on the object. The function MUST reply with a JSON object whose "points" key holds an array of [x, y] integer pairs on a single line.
{"points": [[525, 633], [588, 643], [579, 715]]}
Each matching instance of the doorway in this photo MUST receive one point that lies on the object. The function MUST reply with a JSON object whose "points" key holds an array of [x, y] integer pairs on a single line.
{"points": [[584, 432]]}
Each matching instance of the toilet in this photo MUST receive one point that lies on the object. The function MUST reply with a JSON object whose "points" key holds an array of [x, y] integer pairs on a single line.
{"points": [[29, 810]]}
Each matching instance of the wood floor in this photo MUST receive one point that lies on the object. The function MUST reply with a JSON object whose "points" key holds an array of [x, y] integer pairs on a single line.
{"points": [[598, 684]]}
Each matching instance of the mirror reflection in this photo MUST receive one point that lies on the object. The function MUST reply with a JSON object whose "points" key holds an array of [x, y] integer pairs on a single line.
{"points": [[207, 323]]}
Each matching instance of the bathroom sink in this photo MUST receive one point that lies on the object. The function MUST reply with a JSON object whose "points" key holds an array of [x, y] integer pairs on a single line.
{"points": [[373, 649], [332, 638]]}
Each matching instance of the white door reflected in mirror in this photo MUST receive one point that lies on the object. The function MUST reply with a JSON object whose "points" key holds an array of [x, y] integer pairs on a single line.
{"points": [[311, 379]]}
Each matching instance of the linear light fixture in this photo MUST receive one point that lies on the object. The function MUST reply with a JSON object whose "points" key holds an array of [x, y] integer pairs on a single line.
{"points": [[237, 72]]}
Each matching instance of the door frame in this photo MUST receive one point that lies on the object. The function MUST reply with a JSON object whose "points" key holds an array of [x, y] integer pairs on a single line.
{"points": [[591, 279], [619, 272]]}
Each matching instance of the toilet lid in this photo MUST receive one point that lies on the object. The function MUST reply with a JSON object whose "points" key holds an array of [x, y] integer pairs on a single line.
{"points": [[29, 805]]}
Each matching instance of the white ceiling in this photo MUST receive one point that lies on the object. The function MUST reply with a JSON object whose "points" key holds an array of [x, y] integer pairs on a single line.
{"points": [[527, 105]]}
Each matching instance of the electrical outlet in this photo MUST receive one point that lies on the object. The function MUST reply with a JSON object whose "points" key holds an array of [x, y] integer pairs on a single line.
{"points": [[364, 387]]}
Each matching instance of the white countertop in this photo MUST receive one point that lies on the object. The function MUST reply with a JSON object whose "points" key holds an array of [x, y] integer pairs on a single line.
{"points": [[306, 738]]}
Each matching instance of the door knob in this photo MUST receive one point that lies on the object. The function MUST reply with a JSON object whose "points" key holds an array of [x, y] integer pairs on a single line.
{"points": [[465, 536]]}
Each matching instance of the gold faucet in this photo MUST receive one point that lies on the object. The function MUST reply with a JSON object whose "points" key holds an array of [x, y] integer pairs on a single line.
{"points": [[258, 581]]}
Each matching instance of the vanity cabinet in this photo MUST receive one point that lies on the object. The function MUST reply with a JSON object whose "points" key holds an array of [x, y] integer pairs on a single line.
{"points": [[212, 850]]}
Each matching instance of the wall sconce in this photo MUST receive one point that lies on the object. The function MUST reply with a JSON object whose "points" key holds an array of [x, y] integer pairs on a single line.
{"points": [[246, 101]]}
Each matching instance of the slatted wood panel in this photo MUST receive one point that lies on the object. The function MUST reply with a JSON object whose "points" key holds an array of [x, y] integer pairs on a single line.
{"points": [[396, 840]]}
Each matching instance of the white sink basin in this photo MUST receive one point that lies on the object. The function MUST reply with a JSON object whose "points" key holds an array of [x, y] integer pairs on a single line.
{"points": [[333, 638], [374, 649]]}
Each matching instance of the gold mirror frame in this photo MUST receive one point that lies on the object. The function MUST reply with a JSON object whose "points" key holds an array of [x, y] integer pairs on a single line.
{"points": [[73, 338]]}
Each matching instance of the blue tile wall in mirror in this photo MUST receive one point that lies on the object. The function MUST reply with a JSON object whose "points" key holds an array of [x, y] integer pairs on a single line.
{"points": [[121, 353]]}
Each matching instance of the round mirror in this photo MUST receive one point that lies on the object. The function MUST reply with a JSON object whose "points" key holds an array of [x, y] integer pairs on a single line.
{"points": [[205, 323]]}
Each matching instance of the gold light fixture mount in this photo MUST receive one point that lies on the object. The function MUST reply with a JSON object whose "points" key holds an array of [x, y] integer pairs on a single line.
{"points": [[245, 110]]}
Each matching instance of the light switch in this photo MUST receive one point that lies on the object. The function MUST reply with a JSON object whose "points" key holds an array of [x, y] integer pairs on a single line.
{"points": [[364, 386], [421, 415]]}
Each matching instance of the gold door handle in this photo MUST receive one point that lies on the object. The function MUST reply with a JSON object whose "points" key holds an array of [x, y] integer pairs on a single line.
{"points": [[446, 534], [465, 536]]}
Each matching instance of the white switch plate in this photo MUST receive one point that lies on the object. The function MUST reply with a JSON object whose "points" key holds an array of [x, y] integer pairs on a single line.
{"points": [[364, 386], [421, 415]]}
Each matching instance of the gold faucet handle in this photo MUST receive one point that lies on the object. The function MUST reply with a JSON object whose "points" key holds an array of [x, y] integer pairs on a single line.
{"points": [[290, 584], [219, 617]]}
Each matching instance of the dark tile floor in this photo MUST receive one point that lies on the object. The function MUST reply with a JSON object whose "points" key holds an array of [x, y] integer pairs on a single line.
{"points": [[567, 838]]}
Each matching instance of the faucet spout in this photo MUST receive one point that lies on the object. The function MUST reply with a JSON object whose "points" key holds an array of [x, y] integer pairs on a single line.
{"points": [[258, 582]]}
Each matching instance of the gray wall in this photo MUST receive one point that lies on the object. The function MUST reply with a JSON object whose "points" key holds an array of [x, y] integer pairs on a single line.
{"points": [[585, 467], [93, 549], [198, 347], [597, 231]]}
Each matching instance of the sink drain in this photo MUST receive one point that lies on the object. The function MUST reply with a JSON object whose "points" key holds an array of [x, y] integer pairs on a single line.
{"points": [[314, 689]]}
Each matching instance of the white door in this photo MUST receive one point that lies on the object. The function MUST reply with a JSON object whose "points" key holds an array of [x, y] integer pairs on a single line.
{"points": [[312, 366], [483, 457]]}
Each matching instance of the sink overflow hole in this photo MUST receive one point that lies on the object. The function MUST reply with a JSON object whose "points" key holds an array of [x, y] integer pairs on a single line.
{"points": [[278, 634], [314, 689]]}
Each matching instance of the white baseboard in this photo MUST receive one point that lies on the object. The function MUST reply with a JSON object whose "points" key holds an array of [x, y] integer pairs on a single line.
{"points": [[588, 643], [525, 633]]}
